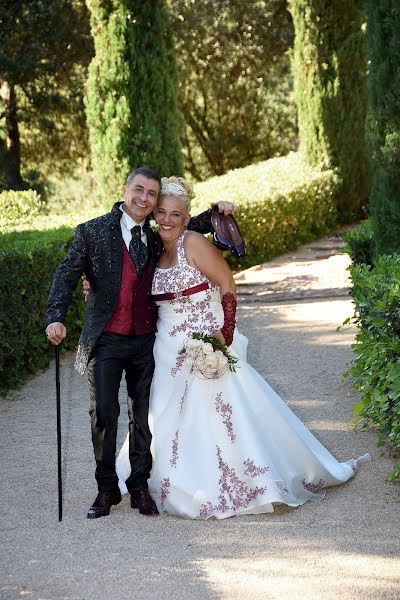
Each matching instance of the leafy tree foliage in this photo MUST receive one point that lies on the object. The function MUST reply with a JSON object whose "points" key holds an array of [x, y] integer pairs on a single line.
{"points": [[132, 108], [330, 64], [384, 122], [235, 84], [43, 55]]}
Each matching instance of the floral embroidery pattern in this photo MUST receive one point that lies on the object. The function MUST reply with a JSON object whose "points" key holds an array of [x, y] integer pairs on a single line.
{"points": [[199, 316], [206, 509], [225, 410], [180, 277], [313, 487], [180, 359], [174, 451], [184, 395], [252, 470], [234, 493], [198, 313], [164, 490]]}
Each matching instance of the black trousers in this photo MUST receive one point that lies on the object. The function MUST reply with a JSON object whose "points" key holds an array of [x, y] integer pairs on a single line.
{"points": [[112, 355]]}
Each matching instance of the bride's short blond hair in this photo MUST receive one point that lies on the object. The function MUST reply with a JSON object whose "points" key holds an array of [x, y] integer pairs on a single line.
{"points": [[177, 187]]}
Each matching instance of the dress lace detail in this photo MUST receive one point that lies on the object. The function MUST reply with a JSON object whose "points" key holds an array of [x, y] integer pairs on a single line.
{"points": [[181, 276], [196, 309], [225, 410], [234, 493]]}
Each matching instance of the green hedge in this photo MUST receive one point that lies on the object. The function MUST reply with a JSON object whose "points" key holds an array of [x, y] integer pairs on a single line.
{"points": [[360, 244], [376, 370], [19, 209], [282, 204], [32, 245], [27, 266]]}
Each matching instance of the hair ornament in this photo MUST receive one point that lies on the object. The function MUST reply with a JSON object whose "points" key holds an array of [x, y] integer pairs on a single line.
{"points": [[173, 188]]}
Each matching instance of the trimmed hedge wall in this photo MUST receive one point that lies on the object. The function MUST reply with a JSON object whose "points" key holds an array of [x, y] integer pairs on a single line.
{"points": [[28, 262], [376, 370], [282, 203], [32, 245]]}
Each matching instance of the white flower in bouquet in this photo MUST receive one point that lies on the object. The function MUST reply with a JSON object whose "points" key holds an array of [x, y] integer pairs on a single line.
{"points": [[207, 357]]}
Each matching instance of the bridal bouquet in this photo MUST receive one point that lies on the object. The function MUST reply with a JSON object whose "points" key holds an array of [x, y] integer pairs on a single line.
{"points": [[207, 357]]}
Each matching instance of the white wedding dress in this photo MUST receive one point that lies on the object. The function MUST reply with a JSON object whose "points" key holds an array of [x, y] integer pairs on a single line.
{"points": [[227, 446]]}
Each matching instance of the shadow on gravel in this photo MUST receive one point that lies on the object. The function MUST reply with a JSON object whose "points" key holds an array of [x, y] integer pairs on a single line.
{"points": [[346, 546]]}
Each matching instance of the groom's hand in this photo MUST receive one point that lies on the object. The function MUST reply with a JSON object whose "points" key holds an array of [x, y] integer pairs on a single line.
{"points": [[55, 333], [228, 208], [86, 287]]}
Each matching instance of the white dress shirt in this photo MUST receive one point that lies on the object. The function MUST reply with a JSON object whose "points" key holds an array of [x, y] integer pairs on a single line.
{"points": [[126, 225]]}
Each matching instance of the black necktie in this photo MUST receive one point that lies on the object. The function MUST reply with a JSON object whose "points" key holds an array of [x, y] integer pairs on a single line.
{"points": [[138, 250]]}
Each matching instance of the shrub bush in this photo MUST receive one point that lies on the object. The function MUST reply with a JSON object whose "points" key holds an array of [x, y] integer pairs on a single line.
{"points": [[360, 244], [19, 208], [376, 370], [282, 204], [28, 262], [33, 244]]}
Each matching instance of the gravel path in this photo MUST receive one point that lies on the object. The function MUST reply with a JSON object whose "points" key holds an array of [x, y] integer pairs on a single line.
{"points": [[346, 546]]}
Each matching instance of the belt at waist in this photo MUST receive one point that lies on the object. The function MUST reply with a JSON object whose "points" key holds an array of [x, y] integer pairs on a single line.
{"points": [[193, 290]]}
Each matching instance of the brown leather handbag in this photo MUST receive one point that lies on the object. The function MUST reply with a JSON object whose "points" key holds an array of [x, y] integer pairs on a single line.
{"points": [[227, 234]]}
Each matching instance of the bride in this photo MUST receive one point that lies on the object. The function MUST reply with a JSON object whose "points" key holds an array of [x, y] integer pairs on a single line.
{"points": [[221, 446]]}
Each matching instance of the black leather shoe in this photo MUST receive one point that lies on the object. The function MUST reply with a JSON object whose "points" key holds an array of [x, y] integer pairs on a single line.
{"points": [[104, 501], [142, 500]]}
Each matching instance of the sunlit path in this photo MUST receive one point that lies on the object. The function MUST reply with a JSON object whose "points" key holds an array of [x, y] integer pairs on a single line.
{"points": [[346, 546]]}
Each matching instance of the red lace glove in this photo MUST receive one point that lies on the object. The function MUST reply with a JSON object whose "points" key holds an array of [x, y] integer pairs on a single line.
{"points": [[229, 305]]}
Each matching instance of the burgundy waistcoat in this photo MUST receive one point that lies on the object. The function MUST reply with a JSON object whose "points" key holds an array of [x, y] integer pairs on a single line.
{"points": [[135, 312]]}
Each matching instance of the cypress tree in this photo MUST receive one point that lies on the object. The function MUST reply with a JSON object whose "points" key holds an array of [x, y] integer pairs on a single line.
{"points": [[330, 64], [131, 100], [383, 123]]}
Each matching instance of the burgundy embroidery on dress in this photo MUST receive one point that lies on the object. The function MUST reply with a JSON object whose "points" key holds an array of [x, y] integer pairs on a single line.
{"points": [[174, 451], [252, 470], [164, 490], [180, 277], [234, 493], [180, 359], [200, 317], [184, 395], [225, 410], [313, 487], [206, 509]]}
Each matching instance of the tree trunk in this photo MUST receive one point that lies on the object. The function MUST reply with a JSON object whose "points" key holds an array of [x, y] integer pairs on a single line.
{"points": [[10, 150]]}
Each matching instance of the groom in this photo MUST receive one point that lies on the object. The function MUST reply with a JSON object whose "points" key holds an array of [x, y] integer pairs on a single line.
{"points": [[118, 253]]}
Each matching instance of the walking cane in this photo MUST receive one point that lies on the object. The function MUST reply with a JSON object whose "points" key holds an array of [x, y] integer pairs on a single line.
{"points": [[58, 395]]}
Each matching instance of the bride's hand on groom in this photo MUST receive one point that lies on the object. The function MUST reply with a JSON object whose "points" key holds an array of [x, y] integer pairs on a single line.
{"points": [[86, 288]]}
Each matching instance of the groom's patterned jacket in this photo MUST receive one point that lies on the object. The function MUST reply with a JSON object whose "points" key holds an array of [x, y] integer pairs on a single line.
{"points": [[97, 251]]}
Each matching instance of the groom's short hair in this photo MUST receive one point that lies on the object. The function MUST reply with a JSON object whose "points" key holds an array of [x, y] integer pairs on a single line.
{"points": [[146, 172]]}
